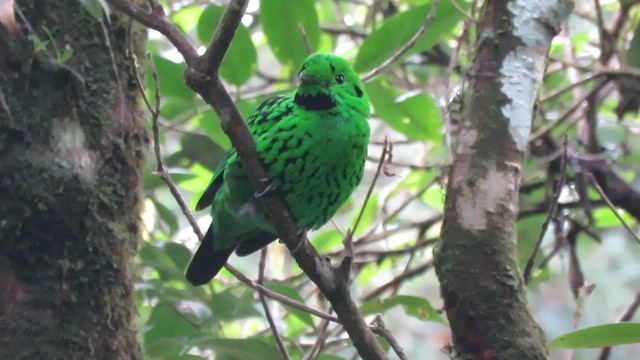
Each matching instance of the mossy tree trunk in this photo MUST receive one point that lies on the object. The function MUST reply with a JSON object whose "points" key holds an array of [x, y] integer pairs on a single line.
{"points": [[477, 265], [71, 148]]}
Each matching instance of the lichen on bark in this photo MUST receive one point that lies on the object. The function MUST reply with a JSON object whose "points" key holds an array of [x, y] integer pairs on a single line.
{"points": [[476, 263]]}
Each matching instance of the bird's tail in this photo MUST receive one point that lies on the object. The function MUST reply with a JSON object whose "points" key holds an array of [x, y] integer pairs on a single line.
{"points": [[207, 261]]}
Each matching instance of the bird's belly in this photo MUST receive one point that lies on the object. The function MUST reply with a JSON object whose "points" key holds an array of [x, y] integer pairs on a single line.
{"points": [[323, 181]]}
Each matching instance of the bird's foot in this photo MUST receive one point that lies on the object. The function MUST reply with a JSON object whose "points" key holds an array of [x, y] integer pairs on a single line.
{"points": [[270, 187], [302, 239]]}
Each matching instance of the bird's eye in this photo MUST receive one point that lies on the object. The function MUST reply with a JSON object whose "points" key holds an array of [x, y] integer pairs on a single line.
{"points": [[340, 79]]}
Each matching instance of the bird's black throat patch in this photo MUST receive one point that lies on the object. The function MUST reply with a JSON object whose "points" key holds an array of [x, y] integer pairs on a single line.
{"points": [[319, 101]]}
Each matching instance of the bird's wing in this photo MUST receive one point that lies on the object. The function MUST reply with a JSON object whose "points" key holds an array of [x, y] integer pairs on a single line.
{"points": [[207, 198], [263, 118]]}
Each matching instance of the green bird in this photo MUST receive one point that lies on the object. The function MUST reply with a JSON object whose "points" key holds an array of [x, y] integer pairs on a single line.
{"points": [[313, 144]]}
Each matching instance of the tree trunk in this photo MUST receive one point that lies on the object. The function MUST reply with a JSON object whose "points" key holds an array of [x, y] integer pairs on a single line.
{"points": [[482, 287], [71, 148]]}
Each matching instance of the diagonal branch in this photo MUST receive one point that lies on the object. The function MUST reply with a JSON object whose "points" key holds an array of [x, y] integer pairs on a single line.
{"points": [[201, 76]]}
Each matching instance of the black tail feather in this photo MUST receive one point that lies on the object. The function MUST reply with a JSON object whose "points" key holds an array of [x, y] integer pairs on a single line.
{"points": [[207, 261], [255, 243]]}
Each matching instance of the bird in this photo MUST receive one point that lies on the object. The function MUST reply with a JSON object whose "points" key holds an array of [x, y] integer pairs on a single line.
{"points": [[313, 145]]}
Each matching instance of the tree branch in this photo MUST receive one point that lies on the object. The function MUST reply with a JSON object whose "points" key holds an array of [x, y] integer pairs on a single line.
{"points": [[201, 76]]}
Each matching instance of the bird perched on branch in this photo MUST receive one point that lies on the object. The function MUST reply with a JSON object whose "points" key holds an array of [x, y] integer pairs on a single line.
{"points": [[313, 144]]}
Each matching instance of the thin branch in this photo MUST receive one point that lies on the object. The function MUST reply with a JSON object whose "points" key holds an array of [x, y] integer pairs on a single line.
{"points": [[406, 47], [157, 20], [380, 329], [265, 306], [553, 208], [320, 342], [395, 282], [546, 129], [386, 154], [211, 61], [604, 197]]}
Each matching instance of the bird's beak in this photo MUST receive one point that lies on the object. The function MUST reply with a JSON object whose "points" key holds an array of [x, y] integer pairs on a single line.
{"points": [[307, 79]]}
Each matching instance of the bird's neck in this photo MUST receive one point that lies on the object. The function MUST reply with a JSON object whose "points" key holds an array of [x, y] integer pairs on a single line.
{"points": [[314, 99]]}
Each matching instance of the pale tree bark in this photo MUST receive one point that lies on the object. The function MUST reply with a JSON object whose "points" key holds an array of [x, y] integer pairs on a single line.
{"points": [[71, 148], [481, 284]]}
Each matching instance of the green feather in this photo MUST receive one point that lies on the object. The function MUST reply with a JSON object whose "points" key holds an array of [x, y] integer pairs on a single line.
{"points": [[313, 144]]}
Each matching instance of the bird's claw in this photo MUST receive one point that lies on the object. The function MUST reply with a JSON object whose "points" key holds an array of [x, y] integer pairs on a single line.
{"points": [[270, 187], [301, 239]]}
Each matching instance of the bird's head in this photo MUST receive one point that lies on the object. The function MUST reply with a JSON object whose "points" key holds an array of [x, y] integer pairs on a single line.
{"points": [[327, 80]]}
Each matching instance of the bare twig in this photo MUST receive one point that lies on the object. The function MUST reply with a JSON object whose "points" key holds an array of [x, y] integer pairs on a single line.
{"points": [[380, 329], [386, 152], [395, 282], [604, 197], [320, 342], [406, 47], [546, 129], [553, 208], [583, 294], [156, 19], [305, 37], [267, 312]]}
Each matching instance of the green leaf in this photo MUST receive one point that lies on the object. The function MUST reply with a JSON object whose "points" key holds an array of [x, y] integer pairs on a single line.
{"points": [[155, 257], [599, 336], [179, 253], [167, 323], [414, 114], [171, 78], [239, 349], [281, 21], [379, 46], [166, 214], [197, 148], [187, 18], [414, 306], [241, 61], [226, 306], [327, 241], [633, 54], [290, 292], [97, 8]]}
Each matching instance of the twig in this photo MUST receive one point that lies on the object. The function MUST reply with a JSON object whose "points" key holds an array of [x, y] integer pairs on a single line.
{"points": [[267, 312], [583, 294], [278, 297], [546, 129], [5, 106], [553, 208], [406, 47], [305, 38], [386, 152], [402, 206], [383, 254], [156, 19], [557, 92], [380, 329], [320, 341], [397, 280], [612, 207]]}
